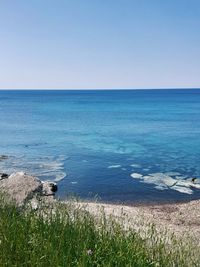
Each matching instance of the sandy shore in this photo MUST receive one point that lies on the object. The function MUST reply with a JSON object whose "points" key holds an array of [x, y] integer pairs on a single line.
{"points": [[182, 219]]}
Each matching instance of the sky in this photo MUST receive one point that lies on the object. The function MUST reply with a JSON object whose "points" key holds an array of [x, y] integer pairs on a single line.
{"points": [[99, 44]]}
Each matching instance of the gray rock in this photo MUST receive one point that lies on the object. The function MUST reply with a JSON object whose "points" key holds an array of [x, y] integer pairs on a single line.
{"points": [[21, 187], [49, 188]]}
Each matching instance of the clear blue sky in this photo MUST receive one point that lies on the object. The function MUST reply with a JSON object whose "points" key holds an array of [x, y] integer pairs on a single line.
{"points": [[99, 43]]}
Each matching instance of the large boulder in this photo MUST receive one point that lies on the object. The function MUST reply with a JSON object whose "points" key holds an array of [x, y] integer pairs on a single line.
{"points": [[21, 187]]}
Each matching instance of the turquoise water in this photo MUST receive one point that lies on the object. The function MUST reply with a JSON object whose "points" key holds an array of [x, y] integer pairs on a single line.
{"points": [[118, 146]]}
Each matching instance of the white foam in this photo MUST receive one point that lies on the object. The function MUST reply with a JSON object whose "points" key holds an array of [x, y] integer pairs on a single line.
{"points": [[52, 176], [114, 166], [136, 175], [60, 176], [74, 182]]}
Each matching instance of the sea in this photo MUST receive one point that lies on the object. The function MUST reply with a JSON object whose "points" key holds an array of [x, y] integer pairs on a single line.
{"points": [[112, 146]]}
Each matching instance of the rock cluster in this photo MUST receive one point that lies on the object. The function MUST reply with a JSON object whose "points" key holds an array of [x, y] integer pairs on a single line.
{"points": [[21, 187], [2, 157], [3, 176]]}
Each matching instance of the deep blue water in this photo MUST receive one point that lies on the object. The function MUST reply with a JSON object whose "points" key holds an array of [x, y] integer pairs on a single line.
{"points": [[91, 142]]}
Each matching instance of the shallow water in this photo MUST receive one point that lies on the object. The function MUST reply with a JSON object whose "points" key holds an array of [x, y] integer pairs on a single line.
{"points": [[118, 146]]}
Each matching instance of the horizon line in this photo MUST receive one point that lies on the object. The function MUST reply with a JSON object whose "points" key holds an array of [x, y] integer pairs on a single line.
{"points": [[97, 89]]}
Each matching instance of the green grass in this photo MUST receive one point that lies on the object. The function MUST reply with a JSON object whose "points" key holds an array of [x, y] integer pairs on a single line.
{"points": [[68, 236]]}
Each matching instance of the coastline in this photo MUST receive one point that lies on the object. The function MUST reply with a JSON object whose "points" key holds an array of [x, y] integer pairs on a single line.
{"points": [[181, 219]]}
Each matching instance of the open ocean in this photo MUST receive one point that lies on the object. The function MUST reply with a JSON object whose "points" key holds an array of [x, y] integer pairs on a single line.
{"points": [[120, 146]]}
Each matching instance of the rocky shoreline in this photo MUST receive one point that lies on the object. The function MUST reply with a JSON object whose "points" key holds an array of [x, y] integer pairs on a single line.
{"points": [[22, 188], [180, 218]]}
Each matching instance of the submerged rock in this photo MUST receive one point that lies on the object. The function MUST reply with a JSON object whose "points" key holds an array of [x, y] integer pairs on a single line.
{"points": [[3, 157], [54, 187], [136, 175]]}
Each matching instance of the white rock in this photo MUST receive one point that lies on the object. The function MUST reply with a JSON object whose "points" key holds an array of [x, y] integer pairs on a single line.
{"points": [[182, 189], [136, 175], [114, 166]]}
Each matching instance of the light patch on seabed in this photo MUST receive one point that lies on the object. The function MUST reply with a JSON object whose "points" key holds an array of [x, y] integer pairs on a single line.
{"points": [[114, 166], [52, 166], [46, 167], [60, 176], [136, 175], [161, 187], [135, 165], [62, 157], [182, 189], [163, 181], [188, 183], [55, 176], [161, 178], [172, 173]]}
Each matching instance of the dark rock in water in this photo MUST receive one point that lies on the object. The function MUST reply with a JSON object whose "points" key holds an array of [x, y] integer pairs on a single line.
{"points": [[2, 157], [34, 144], [3, 176], [194, 179], [53, 187], [49, 188]]}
